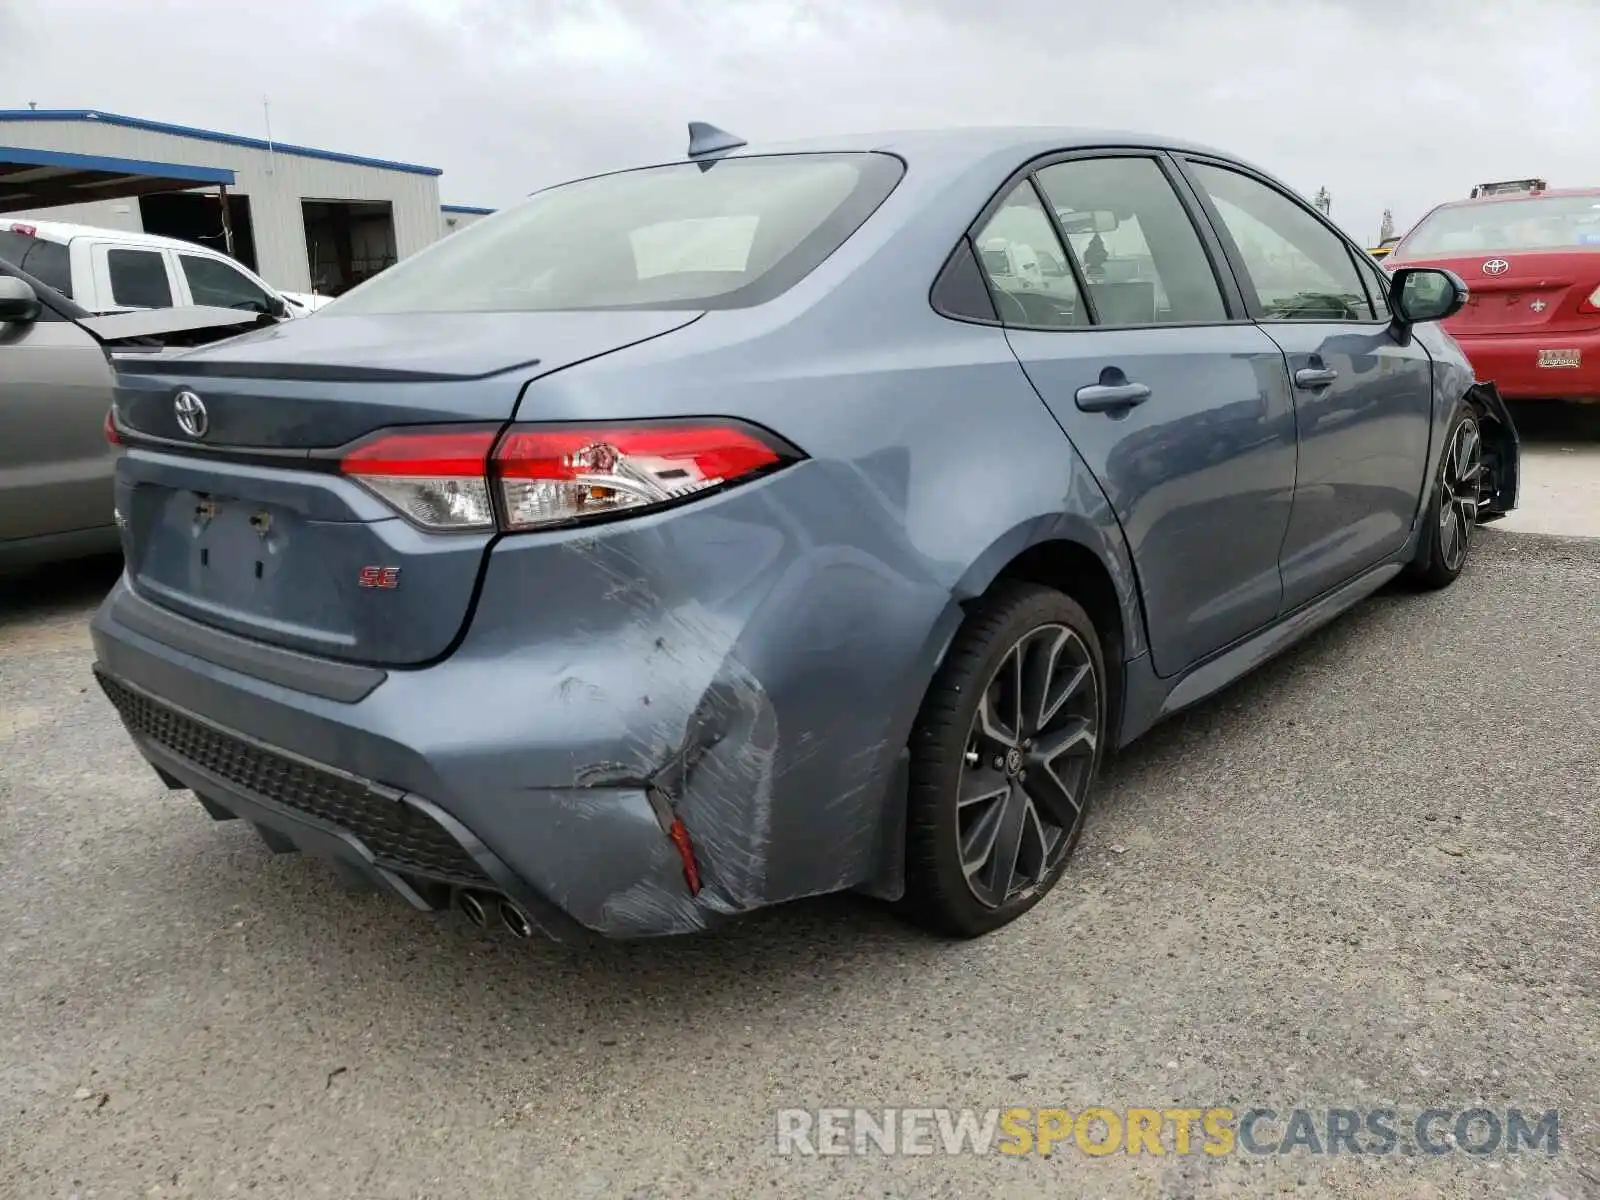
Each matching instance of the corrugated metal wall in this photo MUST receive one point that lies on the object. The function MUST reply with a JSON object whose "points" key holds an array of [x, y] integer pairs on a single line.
{"points": [[275, 183]]}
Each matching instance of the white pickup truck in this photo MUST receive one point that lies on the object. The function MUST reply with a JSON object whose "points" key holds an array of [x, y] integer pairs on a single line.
{"points": [[111, 270]]}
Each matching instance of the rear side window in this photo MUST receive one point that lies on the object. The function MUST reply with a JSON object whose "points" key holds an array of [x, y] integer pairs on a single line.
{"points": [[726, 234], [48, 262], [1026, 265], [139, 278]]}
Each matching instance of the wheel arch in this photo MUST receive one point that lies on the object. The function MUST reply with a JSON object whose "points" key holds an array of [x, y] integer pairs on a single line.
{"points": [[1074, 556], [1503, 449], [1072, 568]]}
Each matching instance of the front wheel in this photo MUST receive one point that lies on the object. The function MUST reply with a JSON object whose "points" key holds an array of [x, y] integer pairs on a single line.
{"points": [[1453, 512], [1003, 758]]}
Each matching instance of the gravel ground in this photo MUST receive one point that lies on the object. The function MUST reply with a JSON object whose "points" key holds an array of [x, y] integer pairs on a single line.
{"points": [[1560, 491], [1366, 877]]}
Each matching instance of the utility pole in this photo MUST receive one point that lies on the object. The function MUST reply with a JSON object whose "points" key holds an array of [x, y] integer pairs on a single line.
{"points": [[1386, 230], [266, 112], [1324, 202], [227, 219]]}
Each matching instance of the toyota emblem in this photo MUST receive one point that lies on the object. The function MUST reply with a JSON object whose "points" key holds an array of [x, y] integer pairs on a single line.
{"points": [[191, 413], [1496, 266]]}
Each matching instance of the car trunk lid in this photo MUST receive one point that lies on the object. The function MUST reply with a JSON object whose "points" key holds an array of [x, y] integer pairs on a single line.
{"points": [[1546, 291], [235, 512]]}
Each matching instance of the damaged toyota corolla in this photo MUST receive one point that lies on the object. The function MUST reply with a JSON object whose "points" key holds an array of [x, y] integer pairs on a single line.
{"points": [[775, 522]]}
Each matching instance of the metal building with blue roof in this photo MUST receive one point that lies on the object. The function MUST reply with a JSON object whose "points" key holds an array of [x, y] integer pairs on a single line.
{"points": [[303, 218]]}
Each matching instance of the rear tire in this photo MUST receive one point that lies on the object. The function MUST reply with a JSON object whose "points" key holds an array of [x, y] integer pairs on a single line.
{"points": [[1453, 512], [1004, 756]]}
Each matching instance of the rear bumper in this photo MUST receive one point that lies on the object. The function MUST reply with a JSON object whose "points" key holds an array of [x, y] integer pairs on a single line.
{"points": [[1512, 362], [700, 667], [389, 838], [395, 786], [403, 840]]}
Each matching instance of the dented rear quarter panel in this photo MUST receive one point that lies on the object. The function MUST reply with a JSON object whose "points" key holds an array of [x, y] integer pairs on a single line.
{"points": [[767, 649], [761, 655]]}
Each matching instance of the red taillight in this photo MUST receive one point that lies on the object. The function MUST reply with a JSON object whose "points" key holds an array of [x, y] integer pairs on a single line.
{"points": [[1592, 304], [25, 230], [437, 478], [112, 435], [554, 475], [420, 454]]}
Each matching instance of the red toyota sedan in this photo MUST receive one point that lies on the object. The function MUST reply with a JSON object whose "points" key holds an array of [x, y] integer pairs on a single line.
{"points": [[1532, 262]]}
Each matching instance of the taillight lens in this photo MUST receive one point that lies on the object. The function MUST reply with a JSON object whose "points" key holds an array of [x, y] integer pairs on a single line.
{"points": [[112, 436], [436, 478], [553, 476], [1592, 304], [549, 475]]}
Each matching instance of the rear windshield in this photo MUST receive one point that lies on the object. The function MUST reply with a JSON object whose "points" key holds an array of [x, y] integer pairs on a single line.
{"points": [[1545, 223], [731, 234], [44, 260]]}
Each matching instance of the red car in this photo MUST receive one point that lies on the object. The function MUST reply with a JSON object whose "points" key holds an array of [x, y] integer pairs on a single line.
{"points": [[1531, 258]]}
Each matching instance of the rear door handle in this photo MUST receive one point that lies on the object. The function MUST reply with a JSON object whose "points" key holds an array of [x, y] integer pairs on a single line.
{"points": [[1314, 377], [1109, 397]]}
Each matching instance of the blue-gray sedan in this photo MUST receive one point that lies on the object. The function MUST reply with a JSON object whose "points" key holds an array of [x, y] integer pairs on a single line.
{"points": [[777, 521]]}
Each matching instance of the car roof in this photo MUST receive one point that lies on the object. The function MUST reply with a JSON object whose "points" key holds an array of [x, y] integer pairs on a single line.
{"points": [[981, 142], [956, 150], [940, 157], [64, 231], [1506, 197]]}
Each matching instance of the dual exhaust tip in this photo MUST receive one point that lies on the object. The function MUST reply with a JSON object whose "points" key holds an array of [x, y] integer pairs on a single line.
{"points": [[479, 907]]}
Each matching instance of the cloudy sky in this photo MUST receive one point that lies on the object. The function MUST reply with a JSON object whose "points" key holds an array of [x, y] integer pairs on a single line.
{"points": [[1388, 103]]}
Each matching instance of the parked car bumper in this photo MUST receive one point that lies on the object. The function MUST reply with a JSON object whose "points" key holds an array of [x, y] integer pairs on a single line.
{"points": [[758, 689], [1512, 361]]}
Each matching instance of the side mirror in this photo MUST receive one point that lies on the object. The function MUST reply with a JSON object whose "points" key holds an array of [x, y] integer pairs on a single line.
{"points": [[279, 307], [1418, 294], [18, 301]]}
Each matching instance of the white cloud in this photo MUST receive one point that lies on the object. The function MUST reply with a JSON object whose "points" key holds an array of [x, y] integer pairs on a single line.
{"points": [[1388, 104]]}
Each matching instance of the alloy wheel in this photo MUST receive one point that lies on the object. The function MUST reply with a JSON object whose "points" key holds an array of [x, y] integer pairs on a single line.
{"points": [[1461, 493], [1029, 761]]}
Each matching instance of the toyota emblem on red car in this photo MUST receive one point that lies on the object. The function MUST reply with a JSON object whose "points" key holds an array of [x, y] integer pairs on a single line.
{"points": [[1496, 266]]}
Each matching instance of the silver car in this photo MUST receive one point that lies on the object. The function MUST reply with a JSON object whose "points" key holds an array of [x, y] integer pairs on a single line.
{"points": [[57, 446], [55, 461]]}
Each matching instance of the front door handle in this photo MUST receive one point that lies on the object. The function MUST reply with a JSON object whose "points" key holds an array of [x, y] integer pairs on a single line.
{"points": [[1111, 397], [1314, 377]]}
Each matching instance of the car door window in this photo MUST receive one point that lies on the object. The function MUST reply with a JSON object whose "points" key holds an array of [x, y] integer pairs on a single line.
{"points": [[216, 283], [1026, 265], [139, 278], [1300, 269], [1138, 250], [1378, 281]]}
